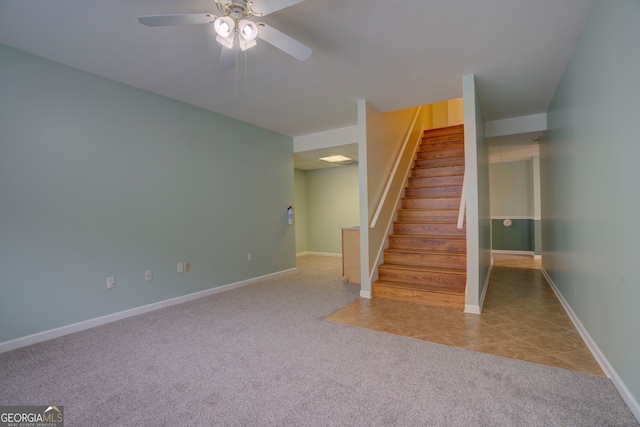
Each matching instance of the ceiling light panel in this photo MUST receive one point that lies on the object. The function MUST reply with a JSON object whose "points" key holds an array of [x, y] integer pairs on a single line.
{"points": [[335, 159]]}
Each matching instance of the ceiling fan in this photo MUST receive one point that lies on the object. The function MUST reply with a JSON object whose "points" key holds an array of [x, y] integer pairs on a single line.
{"points": [[235, 26]]}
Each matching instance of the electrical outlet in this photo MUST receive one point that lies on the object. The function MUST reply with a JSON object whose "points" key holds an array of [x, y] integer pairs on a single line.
{"points": [[181, 267], [111, 282], [148, 275], [249, 257], [187, 266]]}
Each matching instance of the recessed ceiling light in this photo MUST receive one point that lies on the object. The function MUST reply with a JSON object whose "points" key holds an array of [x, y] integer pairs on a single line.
{"points": [[334, 159]]}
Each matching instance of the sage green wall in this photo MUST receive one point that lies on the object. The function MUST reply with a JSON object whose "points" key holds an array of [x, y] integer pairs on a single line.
{"points": [[100, 179], [589, 186], [332, 202], [300, 210], [512, 189], [512, 196]]}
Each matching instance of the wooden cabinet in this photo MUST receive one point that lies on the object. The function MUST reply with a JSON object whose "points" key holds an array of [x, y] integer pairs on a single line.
{"points": [[351, 254]]}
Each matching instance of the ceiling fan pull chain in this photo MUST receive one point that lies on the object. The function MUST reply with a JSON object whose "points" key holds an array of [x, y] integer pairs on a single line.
{"points": [[238, 42], [245, 72]]}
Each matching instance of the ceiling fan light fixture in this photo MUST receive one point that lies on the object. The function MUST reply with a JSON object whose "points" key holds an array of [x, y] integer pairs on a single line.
{"points": [[224, 26], [236, 22], [225, 41], [246, 44], [248, 30]]}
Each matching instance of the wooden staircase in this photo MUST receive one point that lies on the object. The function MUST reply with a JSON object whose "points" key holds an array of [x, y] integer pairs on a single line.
{"points": [[426, 260]]}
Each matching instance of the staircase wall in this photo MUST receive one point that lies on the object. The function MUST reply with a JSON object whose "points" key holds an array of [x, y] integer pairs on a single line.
{"points": [[478, 214], [381, 136]]}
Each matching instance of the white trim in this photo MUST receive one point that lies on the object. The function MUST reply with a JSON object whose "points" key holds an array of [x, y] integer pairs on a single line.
{"points": [[486, 285], [513, 217], [365, 294], [472, 309], [477, 309], [329, 254], [537, 257], [611, 373], [326, 139], [506, 252], [87, 324], [463, 201], [516, 125]]}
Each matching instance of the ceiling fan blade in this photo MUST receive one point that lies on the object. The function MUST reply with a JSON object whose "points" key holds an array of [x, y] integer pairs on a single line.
{"points": [[186, 19], [265, 7], [283, 42], [227, 58]]}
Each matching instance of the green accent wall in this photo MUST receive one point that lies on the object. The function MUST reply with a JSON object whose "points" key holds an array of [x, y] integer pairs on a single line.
{"points": [[332, 202], [513, 196], [100, 179], [518, 237], [537, 237], [589, 185]]}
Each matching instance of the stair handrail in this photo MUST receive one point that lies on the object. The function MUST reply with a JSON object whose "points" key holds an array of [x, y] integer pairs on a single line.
{"points": [[394, 170], [463, 201]]}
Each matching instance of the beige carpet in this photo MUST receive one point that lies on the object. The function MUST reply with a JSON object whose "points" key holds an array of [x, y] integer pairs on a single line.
{"points": [[262, 355]]}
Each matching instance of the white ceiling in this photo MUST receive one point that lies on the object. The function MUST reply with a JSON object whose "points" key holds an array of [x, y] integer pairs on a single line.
{"points": [[310, 159], [396, 54], [513, 148]]}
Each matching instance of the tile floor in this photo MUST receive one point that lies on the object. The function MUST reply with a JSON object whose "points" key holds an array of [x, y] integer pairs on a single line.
{"points": [[521, 319]]}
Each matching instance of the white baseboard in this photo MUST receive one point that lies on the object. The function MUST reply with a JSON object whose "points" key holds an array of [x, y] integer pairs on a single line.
{"points": [[512, 217], [87, 324], [611, 373], [505, 252], [365, 294], [486, 286], [472, 309], [329, 254], [477, 309]]}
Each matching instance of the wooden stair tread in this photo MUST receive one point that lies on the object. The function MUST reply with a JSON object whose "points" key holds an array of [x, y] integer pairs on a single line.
{"points": [[454, 136], [444, 270], [439, 176], [434, 186], [430, 210], [452, 159], [423, 288], [445, 130], [429, 236], [425, 222], [433, 197], [445, 153], [425, 251], [442, 174], [438, 163]]}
